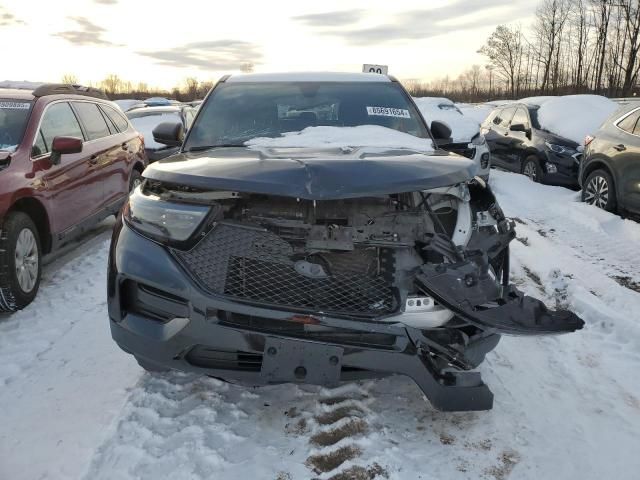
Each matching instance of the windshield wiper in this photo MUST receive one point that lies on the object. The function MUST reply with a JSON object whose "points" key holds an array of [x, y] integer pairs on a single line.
{"points": [[207, 147]]}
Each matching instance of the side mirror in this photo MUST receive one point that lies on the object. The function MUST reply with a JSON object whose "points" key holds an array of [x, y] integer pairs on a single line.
{"points": [[441, 132], [64, 145], [519, 127], [169, 133]]}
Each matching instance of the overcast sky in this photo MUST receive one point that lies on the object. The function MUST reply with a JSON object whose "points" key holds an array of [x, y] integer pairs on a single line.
{"points": [[161, 43]]}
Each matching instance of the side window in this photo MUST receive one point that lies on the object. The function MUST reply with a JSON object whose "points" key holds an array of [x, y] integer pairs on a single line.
{"points": [[92, 120], [58, 121], [506, 116], [190, 114], [629, 123], [520, 117], [118, 119]]}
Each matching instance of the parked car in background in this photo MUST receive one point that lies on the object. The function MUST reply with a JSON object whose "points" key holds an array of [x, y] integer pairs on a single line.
{"points": [[127, 104], [610, 170], [145, 119], [466, 139], [519, 144], [310, 231], [68, 159]]}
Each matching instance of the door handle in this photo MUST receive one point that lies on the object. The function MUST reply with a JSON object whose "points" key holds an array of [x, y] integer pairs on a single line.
{"points": [[93, 159], [125, 146], [506, 134], [620, 147]]}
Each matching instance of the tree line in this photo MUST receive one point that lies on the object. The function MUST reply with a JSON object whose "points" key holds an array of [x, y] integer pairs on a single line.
{"points": [[573, 46], [117, 88]]}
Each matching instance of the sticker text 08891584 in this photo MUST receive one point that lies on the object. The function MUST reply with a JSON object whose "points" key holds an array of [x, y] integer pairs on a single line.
{"points": [[388, 112], [15, 105]]}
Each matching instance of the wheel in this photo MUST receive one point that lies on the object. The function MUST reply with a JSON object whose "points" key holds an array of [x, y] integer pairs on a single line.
{"points": [[532, 169], [599, 190], [135, 180], [20, 262]]}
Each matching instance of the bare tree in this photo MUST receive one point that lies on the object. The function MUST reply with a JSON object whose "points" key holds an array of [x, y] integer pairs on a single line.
{"points": [[70, 79], [504, 51], [112, 84], [191, 87]]}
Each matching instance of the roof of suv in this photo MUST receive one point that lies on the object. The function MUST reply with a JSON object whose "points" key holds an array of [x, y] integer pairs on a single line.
{"points": [[309, 77], [29, 92]]}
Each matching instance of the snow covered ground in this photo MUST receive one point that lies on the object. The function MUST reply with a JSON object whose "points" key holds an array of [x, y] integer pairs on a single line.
{"points": [[568, 407]]}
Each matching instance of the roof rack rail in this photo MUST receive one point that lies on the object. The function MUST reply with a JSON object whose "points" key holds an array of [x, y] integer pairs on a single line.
{"points": [[61, 88]]}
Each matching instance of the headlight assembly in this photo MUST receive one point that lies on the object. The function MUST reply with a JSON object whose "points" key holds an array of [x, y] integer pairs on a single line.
{"points": [[559, 149], [478, 140], [166, 222]]}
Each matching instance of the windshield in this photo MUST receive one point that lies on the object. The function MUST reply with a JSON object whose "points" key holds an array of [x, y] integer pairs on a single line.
{"points": [[533, 113], [13, 120], [238, 112]]}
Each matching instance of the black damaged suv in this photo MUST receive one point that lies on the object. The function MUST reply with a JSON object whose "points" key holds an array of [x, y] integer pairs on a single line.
{"points": [[323, 259]]}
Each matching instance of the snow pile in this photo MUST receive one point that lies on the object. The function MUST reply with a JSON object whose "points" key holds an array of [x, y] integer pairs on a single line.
{"points": [[146, 124], [338, 137], [575, 116], [437, 108], [478, 112]]}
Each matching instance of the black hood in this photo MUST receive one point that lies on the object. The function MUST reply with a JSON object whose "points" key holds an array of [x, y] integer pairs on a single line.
{"points": [[314, 174], [547, 136]]}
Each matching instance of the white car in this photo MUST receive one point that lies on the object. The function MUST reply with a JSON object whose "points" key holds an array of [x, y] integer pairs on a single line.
{"points": [[465, 131]]}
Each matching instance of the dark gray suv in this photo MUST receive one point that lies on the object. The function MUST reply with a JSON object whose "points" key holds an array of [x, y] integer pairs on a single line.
{"points": [[350, 248], [610, 171]]}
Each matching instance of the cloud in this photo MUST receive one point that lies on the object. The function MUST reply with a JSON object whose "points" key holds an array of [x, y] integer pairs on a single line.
{"points": [[331, 19], [208, 55], [88, 33], [457, 16], [8, 19], [106, 2]]}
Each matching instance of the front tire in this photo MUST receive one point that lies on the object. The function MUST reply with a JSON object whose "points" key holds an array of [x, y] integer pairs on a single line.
{"points": [[20, 262], [532, 169], [599, 191]]}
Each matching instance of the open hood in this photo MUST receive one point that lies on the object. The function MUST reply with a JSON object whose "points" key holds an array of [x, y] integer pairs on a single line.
{"points": [[314, 174]]}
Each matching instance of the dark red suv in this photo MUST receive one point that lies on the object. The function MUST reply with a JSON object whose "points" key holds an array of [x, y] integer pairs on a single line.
{"points": [[68, 158]]}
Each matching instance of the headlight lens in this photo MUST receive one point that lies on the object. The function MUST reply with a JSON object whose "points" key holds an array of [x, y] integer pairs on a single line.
{"points": [[478, 139], [559, 149], [163, 220]]}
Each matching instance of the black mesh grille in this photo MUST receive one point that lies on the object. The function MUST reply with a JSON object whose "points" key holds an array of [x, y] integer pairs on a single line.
{"points": [[257, 266]]}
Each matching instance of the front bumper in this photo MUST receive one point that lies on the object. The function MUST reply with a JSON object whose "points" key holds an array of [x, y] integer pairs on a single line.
{"points": [[566, 169], [162, 316]]}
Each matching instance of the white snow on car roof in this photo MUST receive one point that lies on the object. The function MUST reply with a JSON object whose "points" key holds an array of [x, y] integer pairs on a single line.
{"points": [[308, 77], [463, 129]]}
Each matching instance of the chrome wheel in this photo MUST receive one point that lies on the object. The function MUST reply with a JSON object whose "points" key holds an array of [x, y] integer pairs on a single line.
{"points": [[597, 192], [26, 260], [531, 171]]}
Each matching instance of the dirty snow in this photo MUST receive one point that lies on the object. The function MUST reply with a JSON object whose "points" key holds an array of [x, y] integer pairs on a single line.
{"points": [[567, 407], [146, 124], [337, 137], [463, 128]]}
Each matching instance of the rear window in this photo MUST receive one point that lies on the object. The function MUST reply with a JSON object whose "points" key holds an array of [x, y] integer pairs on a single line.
{"points": [[628, 124], [14, 115], [92, 120], [118, 119], [237, 112]]}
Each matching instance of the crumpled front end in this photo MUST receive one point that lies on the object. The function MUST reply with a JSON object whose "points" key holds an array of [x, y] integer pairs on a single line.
{"points": [[270, 289]]}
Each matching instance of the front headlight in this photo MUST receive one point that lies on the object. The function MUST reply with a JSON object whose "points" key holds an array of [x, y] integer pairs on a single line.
{"points": [[559, 149], [478, 140], [162, 220]]}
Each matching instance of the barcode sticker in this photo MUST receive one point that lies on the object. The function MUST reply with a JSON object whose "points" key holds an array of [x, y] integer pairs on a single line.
{"points": [[388, 112], [15, 105]]}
